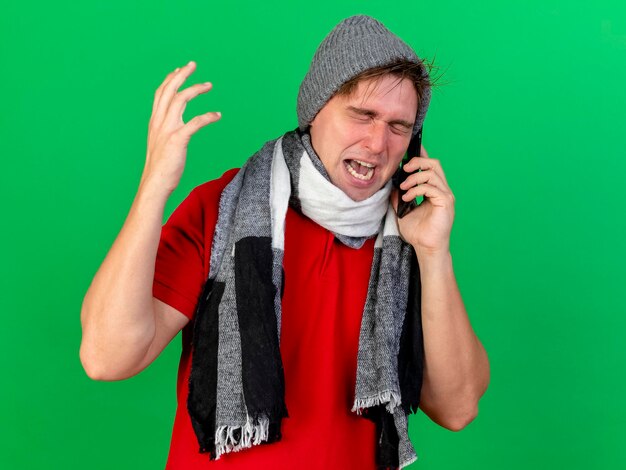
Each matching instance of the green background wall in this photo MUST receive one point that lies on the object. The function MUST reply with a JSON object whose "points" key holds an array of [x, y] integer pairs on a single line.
{"points": [[529, 124]]}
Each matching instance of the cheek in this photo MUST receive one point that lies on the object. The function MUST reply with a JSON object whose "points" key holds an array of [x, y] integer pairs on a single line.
{"points": [[398, 148], [352, 134], [344, 138]]}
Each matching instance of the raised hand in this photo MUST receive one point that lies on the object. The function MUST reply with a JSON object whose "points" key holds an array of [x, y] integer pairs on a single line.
{"points": [[168, 135]]}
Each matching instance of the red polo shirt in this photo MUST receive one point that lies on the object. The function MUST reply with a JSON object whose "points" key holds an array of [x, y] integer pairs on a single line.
{"points": [[325, 290]]}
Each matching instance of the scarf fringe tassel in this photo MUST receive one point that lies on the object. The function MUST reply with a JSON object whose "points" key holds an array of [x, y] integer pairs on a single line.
{"points": [[249, 434], [390, 397], [408, 462]]}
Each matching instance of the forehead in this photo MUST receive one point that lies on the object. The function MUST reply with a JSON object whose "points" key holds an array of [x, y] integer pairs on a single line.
{"points": [[387, 94]]}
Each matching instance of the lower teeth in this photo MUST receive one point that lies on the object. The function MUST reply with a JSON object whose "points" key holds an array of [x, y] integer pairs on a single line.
{"points": [[364, 177]]}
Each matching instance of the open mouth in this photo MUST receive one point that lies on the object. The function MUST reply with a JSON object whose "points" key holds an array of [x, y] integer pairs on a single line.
{"points": [[360, 170]]}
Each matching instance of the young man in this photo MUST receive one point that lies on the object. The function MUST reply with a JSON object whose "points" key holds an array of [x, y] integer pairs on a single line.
{"points": [[314, 319]]}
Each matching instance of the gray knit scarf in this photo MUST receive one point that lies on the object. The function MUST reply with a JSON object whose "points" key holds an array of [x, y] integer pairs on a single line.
{"points": [[236, 386]]}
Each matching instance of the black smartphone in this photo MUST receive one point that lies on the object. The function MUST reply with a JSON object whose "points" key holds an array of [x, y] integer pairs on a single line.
{"points": [[415, 145]]}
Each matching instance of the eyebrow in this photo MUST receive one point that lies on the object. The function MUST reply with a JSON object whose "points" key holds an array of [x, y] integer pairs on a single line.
{"points": [[374, 114]]}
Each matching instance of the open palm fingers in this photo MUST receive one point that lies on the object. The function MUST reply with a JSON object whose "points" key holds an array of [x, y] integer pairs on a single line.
{"points": [[166, 92], [169, 105]]}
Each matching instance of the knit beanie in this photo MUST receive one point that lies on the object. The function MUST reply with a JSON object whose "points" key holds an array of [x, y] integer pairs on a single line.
{"points": [[356, 44]]}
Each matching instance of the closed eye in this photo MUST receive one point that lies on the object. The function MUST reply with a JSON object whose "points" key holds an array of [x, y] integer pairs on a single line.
{"points": [[362, 115], [365, 115], [400, 128], [363, 118]]}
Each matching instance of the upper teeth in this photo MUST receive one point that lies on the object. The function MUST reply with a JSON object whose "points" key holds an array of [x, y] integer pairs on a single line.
{"points": [[368, 165]]}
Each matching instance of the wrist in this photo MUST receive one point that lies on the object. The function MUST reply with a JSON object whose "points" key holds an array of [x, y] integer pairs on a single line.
{"points": [[152, 188], [151, 193], [429, 259], [432, 253]]}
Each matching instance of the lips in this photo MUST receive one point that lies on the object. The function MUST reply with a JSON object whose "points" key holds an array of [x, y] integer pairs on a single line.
{"points": [[359, 169]]}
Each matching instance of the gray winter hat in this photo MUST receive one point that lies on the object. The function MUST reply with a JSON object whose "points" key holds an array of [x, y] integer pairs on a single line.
{"points": [[356, 44]]}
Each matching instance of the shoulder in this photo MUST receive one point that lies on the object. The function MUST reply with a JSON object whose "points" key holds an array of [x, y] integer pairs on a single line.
{"points": [[212, 189], [202, 202]]}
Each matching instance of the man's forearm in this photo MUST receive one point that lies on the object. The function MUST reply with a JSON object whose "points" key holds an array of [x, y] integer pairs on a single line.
{"points": [[456, 369], [117, 314]]}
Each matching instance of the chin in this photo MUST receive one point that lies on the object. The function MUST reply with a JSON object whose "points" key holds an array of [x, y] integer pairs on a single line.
{"points": [[359, 196]]}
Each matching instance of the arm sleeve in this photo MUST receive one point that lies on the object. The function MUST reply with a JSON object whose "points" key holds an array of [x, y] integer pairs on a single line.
{"points": [[182, 261], [179, 269]]}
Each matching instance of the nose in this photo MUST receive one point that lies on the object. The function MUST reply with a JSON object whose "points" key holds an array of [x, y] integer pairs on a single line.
{"points": [[377, 137]]}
